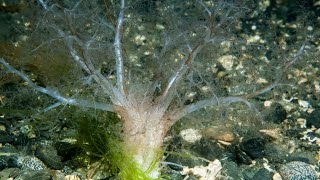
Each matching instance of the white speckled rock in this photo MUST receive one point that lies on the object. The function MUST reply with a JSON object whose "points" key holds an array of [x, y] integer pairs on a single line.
{"points": [[191, 135], [31, 162], [297, 170]]}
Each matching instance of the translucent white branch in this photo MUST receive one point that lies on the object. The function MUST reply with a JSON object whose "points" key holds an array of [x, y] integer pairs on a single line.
{"points": [[181, 71], [78, 49], [44, 5], [84, 61], [86, 65], [205, 7], [56, 95], [117, 48], [296, 57], [174, 79], [52, 106], [178, 114], [280, 76]]}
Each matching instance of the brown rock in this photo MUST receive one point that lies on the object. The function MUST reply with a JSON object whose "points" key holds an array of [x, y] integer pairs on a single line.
{"points": [[218, 133]]}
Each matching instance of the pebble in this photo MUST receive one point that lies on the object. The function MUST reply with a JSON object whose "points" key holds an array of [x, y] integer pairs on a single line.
{"points": [[253, 147], [48, 155], [262, 174], [276, 113], [314, 119], [219, 133], [31, 162], [297, 170], [190, 135]]}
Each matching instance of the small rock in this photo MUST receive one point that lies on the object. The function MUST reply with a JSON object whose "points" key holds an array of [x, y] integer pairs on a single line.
{"points": [[297, 170], [232, 169], [35, 175], [2, 128], [191, 135], [262, 174], [275, 154], [8, 162], [272, 133], [3, 163], [71, 177], [30, 163], [276, 176], [66, 150], [8, 157], [219, 133], [304, 104], [276, 113], [8, 149], [207, 149], [227, 61], [314, 119], [242, 157], [253, 147], [49, 156], [9, 173]]}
